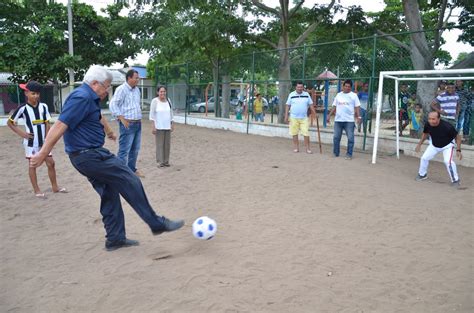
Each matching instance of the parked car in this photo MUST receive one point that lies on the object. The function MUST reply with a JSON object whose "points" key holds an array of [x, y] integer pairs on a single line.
{"points": [[201, 106], [234, 102]]}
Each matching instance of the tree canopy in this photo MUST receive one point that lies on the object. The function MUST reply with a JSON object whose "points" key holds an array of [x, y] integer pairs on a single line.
{"points": [[208, 34], [34, 39]]}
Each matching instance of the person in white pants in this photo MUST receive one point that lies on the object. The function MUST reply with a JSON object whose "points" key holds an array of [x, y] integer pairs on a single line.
{"points": [[443, 137]]}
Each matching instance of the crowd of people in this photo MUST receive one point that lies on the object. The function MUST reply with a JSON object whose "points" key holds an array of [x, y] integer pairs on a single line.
{"points": [[453, 101], [450, 114], [84, 130]]}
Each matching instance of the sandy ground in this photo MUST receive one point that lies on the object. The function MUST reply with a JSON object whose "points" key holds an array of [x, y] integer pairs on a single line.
{"points": [[296, 233]]}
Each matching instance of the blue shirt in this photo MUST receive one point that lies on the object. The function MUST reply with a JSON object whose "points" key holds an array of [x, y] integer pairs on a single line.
{"points": [[299, 104], [363, 99], [81, 113]]}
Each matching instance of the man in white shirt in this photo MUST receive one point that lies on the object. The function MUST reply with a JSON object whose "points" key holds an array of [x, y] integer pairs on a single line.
{"points": [[297, 105], [125, 105], [346, 104]]}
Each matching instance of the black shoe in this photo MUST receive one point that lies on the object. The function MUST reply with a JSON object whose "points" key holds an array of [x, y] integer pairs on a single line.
{"points": [[421, 177], [114, 245], [169, 225]]}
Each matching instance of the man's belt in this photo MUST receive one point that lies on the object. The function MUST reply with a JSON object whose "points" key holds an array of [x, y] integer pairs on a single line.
{"points": [[76, 153]]}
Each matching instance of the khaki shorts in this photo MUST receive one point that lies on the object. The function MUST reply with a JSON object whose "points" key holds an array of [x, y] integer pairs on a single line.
{"points": [[299, 125]]}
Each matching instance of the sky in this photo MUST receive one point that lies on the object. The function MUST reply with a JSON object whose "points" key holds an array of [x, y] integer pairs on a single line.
{"points": [[452, 46]]}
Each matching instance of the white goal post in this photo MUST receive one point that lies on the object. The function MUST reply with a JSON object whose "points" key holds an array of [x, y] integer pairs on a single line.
{"points": [[466, 74]]}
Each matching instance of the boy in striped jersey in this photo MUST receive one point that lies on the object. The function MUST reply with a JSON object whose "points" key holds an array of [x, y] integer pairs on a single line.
{"points": [[36, 117]]}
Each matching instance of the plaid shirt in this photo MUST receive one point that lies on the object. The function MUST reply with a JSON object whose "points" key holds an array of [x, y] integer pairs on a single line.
{"points": [[126, 102]]}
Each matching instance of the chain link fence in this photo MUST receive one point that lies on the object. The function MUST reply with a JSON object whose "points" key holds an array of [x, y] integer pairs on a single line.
{"points": [[11, 97], [225, 88]]}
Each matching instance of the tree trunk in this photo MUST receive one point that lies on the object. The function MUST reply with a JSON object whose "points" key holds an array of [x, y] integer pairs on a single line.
{"points": [[420, 53], [284, 14], [284, 76], [425, 89], [225, 104]]}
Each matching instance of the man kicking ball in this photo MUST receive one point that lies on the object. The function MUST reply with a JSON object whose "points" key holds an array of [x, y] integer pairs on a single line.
{"points": [[442, 135], [84, 129]]}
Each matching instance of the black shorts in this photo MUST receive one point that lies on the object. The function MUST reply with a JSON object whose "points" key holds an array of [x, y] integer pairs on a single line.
{"points": [[404, 116]]}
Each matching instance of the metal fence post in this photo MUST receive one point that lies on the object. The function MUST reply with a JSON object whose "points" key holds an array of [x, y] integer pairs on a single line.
{"points": [[326, 100], [272, 108], [304, 63], [371, 88], [471, 132], [368, 117], [251, 91], [18, 94], [188, 94]]}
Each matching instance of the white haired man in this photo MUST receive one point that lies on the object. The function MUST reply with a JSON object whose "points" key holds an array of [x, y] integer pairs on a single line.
{"points": [[84, 130]]}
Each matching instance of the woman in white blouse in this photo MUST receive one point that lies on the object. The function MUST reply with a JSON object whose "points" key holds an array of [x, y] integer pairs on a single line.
{"points": [[162, 115]]}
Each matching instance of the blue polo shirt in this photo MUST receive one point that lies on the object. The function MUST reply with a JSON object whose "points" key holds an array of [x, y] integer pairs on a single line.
{"points": [[81, 113]]}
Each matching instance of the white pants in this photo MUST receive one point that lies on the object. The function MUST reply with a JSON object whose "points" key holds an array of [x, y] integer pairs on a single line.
{"points": [[448, 155]]}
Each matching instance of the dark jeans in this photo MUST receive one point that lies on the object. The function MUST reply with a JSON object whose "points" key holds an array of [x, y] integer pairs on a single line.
{"points": [[467, 121], [348, 128], [363, 120], [111, 178], [129, 143]]}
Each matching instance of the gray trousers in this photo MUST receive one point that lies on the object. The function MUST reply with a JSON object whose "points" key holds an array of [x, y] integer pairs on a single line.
{"points": [[163, 139]]}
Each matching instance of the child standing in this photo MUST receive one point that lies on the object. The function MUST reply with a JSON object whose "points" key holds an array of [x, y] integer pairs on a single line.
{"points": [[238, 111], [36, 116], [412, 101], [416, 115]]}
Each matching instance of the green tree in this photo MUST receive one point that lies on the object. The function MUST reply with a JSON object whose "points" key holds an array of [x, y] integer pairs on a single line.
{"points": [[423, 48], [283, 33], [34, 39], [176, 32]]}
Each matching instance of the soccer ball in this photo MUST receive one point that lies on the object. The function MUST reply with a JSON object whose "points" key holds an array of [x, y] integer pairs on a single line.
{"points": [[204, 228]]}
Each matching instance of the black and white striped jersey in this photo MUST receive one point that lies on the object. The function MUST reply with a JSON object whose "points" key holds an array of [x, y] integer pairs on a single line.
{"points": [[35, 122]]}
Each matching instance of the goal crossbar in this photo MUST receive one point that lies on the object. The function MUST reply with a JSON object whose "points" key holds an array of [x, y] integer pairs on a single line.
{"points": [[431, 78], [410, 75]]}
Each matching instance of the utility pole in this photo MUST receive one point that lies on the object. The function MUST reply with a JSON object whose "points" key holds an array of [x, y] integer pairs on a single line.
{"points": [[71, 49]]}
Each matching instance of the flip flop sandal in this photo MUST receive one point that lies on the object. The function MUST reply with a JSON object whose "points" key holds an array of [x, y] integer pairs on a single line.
{"points": [[40, 196], [62, 190]]}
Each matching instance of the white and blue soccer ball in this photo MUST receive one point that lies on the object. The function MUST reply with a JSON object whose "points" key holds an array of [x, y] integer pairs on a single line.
{"points": [[204, 228]]}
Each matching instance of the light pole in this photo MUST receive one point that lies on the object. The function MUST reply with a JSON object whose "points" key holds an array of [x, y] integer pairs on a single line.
{"points": [[71, 49]]}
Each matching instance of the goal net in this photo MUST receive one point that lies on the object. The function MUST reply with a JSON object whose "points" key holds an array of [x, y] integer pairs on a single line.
{"points": [[398, 76]]}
